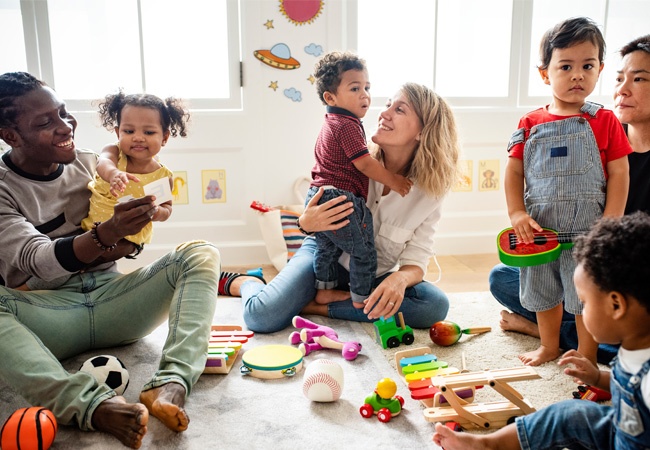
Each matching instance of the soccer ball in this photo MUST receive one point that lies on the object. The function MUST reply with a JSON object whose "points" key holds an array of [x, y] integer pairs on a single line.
{"points": [[109, 370]]}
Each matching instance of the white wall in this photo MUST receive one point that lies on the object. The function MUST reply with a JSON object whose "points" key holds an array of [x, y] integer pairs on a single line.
{"points": [[269, 144]]}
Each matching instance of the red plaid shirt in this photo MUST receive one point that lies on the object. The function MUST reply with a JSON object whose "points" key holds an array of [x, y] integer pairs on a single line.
{"points": [[341, 141]]}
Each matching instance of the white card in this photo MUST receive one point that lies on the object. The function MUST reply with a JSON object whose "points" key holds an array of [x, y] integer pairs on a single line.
{"points": [[161, 189]]}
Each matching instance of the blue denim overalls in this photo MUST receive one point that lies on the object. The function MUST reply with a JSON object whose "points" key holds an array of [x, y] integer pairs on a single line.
{"points": [[582, 424], [565, 190], [632, 417]]}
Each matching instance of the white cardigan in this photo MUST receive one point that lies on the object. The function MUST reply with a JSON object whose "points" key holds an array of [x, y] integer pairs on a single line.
{"points": [[404, 228]]}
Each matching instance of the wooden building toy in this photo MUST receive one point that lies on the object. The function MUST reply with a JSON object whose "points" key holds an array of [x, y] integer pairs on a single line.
{"points": [[471, 414]]}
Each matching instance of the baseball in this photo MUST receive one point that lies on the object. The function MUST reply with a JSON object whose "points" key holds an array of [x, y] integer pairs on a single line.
{"points": [[323, 381]]}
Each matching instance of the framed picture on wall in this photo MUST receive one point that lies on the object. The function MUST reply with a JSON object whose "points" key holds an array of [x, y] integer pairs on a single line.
{"points": [[214, 186]]}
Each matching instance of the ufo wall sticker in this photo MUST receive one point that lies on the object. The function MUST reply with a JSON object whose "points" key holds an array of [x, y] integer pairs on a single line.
{"points": [[278, 57]]}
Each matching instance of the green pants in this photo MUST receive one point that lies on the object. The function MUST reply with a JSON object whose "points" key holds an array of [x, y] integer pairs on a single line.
{"points": [[99, 309]]}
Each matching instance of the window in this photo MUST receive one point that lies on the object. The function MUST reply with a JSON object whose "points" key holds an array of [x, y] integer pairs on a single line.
{"points": [[462, 46], [478, 53], [12, 57], [87, 49]]}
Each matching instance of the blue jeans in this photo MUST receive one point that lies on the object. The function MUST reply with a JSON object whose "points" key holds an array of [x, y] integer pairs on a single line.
{"points": [[504, 286], [356, 239], [574, 424], [270, 308], [94, 310]]}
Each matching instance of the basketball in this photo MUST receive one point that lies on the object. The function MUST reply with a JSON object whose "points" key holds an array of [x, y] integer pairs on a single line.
{"points": [[31, 428]]}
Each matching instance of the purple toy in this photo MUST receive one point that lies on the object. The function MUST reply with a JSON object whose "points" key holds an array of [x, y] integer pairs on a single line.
{"points": [[314, 337]]}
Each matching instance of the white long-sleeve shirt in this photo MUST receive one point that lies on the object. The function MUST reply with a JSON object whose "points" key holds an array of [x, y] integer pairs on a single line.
{"points": [[404, 228]]}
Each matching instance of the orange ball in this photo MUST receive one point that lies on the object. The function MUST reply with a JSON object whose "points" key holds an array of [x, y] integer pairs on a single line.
{"points": [[29, 429]]}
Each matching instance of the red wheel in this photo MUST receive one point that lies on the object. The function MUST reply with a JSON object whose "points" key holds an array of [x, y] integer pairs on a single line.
{"points": [[384, 415], [366, 411], [400, 399]]}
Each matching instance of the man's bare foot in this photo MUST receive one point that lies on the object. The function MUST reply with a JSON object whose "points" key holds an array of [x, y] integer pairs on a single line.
{"points": [[126, 421], [540, 356], [327, 296], [166, 403], [514, 322]]}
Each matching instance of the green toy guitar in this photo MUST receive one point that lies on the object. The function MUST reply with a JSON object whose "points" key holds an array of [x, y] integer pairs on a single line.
{"points": [[547, 246]]}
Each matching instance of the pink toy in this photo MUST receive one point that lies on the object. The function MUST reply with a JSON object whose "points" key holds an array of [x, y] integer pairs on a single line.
{"points": [[314, 337]]}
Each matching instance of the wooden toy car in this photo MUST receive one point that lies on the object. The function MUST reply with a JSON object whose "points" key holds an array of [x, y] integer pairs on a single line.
{"points": [[389, 334], [383, 402]]}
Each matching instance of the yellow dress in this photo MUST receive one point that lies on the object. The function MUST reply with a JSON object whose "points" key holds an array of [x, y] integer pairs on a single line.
{"points": [[102, 201]]}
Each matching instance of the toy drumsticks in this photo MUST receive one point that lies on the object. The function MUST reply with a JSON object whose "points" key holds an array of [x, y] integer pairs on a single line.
{"points": [[446, 333]]}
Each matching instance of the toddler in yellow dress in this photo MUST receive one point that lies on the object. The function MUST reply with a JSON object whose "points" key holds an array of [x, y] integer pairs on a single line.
{"points": [[143, 124]]}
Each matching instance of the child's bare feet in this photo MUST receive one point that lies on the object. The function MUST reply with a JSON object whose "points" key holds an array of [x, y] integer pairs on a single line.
{"points": [[514, 322], [450, 440], [126, 421], [166, 403], [540, 356], [327, 296]]}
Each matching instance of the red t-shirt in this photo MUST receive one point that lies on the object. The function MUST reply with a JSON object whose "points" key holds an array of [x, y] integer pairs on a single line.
{"points": [[608, 131]]}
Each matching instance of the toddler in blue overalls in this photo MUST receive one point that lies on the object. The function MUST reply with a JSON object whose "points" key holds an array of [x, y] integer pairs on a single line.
{"points": [[567, 168], [611, 280]]}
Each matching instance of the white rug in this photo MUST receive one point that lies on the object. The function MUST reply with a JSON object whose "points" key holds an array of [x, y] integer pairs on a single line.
{"points": [[237, 411]]}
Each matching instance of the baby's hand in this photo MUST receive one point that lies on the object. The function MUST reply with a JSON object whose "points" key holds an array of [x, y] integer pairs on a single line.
{"points": [[119, 181], [583, 370], [524, 226], [401, 185]]}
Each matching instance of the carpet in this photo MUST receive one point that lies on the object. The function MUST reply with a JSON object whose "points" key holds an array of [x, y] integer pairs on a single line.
{"points": [[235, 411]]}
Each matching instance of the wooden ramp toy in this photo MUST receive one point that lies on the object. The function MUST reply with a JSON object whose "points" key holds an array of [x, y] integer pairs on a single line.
{"points": [[482, 415], [224, 346]]}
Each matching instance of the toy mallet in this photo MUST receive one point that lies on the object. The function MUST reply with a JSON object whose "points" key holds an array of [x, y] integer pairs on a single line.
{"points": [[446, 333]]}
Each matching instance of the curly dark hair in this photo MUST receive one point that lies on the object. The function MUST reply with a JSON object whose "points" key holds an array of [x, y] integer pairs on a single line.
{"points": [[172, 111], [569, 33], [329, 68], [642, 43], [14, 85], [615, 254]]}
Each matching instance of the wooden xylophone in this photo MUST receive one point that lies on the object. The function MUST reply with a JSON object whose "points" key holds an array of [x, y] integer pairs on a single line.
{"points": [[224, 346]]}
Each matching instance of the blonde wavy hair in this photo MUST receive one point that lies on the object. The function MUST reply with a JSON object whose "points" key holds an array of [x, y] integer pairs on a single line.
{"points": [[434, 167]]}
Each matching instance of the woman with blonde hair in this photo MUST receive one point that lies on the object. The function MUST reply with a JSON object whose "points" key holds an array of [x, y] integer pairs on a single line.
{"points": [[416, 137]]}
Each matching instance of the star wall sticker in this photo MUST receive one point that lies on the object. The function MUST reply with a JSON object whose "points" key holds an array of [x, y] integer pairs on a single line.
{"points": [[274, 85], [269, 24], [311, 79]]}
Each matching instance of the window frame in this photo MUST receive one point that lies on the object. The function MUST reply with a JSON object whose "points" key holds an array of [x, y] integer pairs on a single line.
{"points": [[519, 70], [38, 51]]}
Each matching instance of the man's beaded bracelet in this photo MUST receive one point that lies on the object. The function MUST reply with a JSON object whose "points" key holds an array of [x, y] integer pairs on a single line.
{"points": [[93, 233], [300, 228]]}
